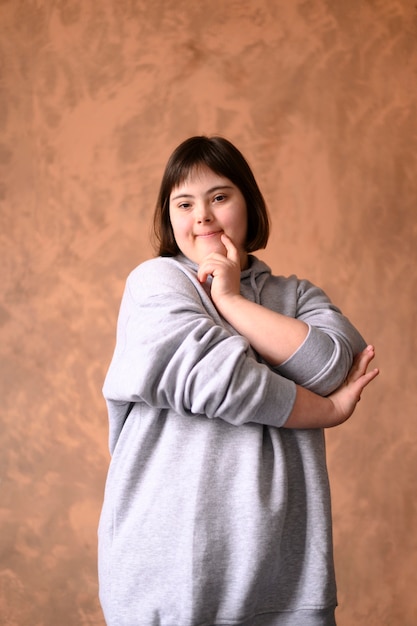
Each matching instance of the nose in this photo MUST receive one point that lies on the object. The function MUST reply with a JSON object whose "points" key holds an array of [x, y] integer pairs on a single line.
{"points": [[203, 213]]}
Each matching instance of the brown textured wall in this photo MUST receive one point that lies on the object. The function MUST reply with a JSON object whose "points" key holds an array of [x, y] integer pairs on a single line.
{"points": [[322, 98]]}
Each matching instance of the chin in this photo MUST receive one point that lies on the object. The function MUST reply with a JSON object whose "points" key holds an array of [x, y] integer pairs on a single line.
{"points": [[216, 247]]}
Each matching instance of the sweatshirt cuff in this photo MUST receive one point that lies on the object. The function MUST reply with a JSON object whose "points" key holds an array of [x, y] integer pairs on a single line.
{"points": [[278, 402], [311, 358]]}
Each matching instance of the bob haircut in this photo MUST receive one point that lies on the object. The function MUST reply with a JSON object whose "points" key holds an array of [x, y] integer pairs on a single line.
{"points": [[223, 158]]}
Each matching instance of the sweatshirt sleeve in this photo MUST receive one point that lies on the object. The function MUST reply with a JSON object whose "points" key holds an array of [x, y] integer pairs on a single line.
{"points": [[171, 354], [323, 361]]}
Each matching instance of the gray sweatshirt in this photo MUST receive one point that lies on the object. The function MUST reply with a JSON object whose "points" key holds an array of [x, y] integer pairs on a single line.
{"points": [[213, 514]]}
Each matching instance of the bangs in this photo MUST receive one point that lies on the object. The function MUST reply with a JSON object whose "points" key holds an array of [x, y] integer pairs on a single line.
{"points": [[184, 169]]}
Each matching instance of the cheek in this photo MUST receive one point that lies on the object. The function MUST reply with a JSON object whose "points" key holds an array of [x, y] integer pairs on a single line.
{"points": [[179, 228], [173, 222], [240, 229]]}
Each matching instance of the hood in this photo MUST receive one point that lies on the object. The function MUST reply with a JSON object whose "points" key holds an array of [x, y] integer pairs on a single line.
{"points": [[254, 278]]}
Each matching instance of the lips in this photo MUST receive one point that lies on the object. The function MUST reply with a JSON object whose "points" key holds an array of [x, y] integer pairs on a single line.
{"points": [[210, 234]]}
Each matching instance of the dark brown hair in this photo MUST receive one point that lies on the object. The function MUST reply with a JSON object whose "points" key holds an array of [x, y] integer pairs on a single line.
{"points": [[223, 158]]}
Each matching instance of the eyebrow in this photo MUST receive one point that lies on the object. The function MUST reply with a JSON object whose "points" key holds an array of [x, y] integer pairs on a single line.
{"points": [[208, 192]]}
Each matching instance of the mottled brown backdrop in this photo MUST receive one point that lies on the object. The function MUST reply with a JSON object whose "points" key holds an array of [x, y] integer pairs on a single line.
{"points": [[322, 98]]}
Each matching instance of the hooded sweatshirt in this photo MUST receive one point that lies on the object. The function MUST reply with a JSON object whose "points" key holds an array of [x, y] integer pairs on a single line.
{"points": [[214, 514]]}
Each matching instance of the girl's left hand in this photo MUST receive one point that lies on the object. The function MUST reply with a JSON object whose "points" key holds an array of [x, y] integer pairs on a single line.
{"points": [[225, 270], [348, 395]]}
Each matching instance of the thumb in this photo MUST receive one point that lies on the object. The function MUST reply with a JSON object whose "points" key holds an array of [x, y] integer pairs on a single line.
{"points": [[231, 251]]}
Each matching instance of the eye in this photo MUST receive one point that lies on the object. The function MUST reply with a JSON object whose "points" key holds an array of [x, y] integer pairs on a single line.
{"points": [[184, 205], [219, 197]]}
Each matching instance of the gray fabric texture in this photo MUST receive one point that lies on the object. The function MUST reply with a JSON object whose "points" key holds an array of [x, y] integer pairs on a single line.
{"points": [[215, 515]]}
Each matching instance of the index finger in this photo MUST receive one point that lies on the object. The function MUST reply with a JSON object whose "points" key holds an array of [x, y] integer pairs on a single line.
{"points": [[231, 250]]}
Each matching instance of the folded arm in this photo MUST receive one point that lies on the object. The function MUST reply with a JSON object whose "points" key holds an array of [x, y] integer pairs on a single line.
{"points": [[171, 354], [274, 336], [309, 341]]}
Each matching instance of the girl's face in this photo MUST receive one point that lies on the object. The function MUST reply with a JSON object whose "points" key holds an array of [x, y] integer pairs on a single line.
{"points": [[203, 207]]}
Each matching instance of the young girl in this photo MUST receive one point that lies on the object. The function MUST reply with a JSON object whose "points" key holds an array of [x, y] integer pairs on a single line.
{"points": [[217, 505]]}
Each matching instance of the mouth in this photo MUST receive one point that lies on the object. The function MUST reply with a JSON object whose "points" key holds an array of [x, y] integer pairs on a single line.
{"points": [[208, 235]]}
